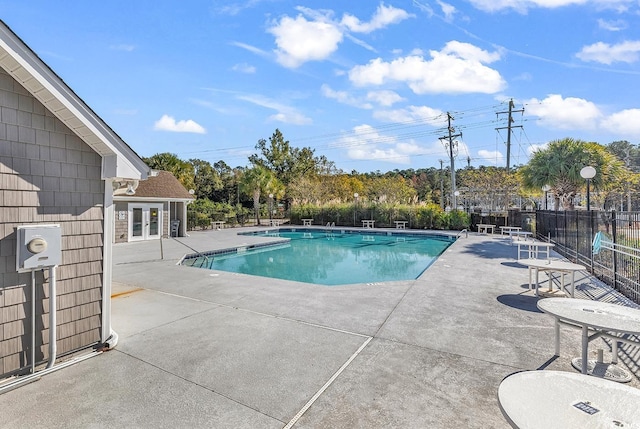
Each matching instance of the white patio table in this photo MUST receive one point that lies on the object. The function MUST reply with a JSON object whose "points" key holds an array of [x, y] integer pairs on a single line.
{"points": [[550, 266], [486, 228], [556, 399], [533, 249], [368, 223], [602, 318], [509, 229]]}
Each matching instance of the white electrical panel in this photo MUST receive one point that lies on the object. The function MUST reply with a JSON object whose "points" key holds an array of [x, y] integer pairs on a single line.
{"points": [[38, 246]]}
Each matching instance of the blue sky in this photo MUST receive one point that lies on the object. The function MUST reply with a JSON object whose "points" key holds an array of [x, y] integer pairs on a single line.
{"points": [[367, 84]]}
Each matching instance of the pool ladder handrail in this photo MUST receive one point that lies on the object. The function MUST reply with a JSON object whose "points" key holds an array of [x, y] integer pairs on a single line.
{"points": [[329, 233], [466, 233], [199, 254]]}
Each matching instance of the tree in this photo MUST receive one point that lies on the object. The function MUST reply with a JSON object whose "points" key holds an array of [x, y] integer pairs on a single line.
{"points": [[206, 179], [254, 182], [183, 170], [627, 153], [490, 187], [289, 164], [559, 166]]}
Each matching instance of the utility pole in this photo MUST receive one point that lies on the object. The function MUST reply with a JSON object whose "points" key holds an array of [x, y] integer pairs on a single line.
{"points": [[509, 128], [441, 187], [451, 143]]}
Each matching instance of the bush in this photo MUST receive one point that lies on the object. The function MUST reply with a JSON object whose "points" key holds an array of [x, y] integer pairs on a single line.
{"points": [[202, 212], [427, 216]]}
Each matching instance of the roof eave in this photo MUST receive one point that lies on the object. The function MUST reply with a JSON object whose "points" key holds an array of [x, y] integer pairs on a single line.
{"points": [[119, 160]]}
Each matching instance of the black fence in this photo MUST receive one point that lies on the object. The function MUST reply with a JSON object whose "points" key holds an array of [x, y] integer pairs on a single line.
{"points": [[616, 261]]}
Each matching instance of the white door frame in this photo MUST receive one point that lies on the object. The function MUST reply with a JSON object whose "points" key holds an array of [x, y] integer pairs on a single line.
{"points": [[144, 230]]}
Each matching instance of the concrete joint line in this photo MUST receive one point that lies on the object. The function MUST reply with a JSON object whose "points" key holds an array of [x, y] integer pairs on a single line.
{"points": [[313, 399], [273, 316]]}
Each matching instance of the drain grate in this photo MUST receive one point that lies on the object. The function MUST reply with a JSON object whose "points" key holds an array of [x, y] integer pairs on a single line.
{"points": [[604, 370]]}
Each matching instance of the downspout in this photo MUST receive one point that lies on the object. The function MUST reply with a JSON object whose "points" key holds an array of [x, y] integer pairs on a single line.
{"points": [[33, 321], [53, 348], [107, 336]]}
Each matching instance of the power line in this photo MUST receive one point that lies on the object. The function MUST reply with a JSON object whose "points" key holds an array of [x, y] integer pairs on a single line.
{"points": [[450, 137], [509, 128]]}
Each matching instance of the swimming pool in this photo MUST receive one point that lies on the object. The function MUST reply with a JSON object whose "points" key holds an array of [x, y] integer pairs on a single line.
{"points": [[330, 258]]}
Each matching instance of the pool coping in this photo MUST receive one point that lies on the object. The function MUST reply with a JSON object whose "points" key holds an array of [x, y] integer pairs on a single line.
{"points": [[271, 233], [227, 351]]}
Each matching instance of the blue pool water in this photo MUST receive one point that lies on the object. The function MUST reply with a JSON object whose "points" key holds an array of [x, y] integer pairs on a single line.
{"points": [[337, 258]]}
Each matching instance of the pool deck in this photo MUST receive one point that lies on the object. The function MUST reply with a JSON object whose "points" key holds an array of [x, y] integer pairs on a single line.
{"points": [[210, 349]]}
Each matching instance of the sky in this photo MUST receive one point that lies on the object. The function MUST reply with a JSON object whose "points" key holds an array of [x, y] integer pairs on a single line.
{"points": [[370, 85]]}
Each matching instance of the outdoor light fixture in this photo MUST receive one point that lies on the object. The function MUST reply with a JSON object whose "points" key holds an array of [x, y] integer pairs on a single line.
{"points": [[355, 207], [588, 173], [545, 189]]}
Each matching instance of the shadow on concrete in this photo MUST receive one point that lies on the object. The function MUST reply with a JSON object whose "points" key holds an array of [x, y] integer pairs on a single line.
{"points": [[490, 250], [521, 302], [547, 363], [513, 265]]}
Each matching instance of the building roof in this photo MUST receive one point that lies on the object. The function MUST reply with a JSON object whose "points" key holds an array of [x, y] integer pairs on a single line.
{"points": [[163, 186], [118, 159]]}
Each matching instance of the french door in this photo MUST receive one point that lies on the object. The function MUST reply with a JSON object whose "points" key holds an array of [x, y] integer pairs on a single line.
{"points": [[145, 221]]}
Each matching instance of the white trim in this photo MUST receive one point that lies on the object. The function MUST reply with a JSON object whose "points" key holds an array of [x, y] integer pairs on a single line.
{"points": [[118, 159], [145, 217], [107, 259], [151, 199]]}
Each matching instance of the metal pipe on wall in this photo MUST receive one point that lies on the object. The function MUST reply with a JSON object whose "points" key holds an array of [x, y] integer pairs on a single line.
{"points": [[52, 317]]}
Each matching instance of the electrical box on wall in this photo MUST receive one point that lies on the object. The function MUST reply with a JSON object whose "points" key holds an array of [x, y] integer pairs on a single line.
{"points": [[38, 246]]}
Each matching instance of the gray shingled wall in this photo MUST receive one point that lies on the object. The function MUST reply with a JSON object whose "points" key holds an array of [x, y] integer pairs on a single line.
{"points": [[50, 176]]}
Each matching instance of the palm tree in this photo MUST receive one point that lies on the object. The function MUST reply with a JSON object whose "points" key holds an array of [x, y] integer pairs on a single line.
{"points": [[559, 165], [257, 180]]}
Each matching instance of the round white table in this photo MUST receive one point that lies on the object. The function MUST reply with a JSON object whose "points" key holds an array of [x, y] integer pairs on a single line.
{"points": [[604, 319], [550, 266], [555, 399]]}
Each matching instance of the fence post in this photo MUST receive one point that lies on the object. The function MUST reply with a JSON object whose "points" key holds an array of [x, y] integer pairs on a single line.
{"points": [[590, 241], [577, 237], [615, 253]]}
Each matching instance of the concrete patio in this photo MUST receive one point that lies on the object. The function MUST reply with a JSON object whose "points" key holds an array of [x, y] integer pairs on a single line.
{"points": [[199, 348]]}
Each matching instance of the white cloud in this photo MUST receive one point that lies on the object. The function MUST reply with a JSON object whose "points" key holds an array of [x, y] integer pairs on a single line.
{"points": [[344, 97], [168, 123], [251, 49], [623, 123], [448, 10], [617, 25], [237, 7], [244, 68], [536, 147], [564, 113], [523, 6], [284, 113], [492, 157], [314, 35], [429, 115], [299, 40], [458, 68], [367, 143], [627, 52], [384, 16], [384, 98]]}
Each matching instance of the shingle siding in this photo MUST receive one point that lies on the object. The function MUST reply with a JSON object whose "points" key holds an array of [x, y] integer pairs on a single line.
{"points": [[47, 175]]}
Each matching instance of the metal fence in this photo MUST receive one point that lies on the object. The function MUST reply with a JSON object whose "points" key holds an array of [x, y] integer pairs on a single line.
{"points": [[618, 261]]}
